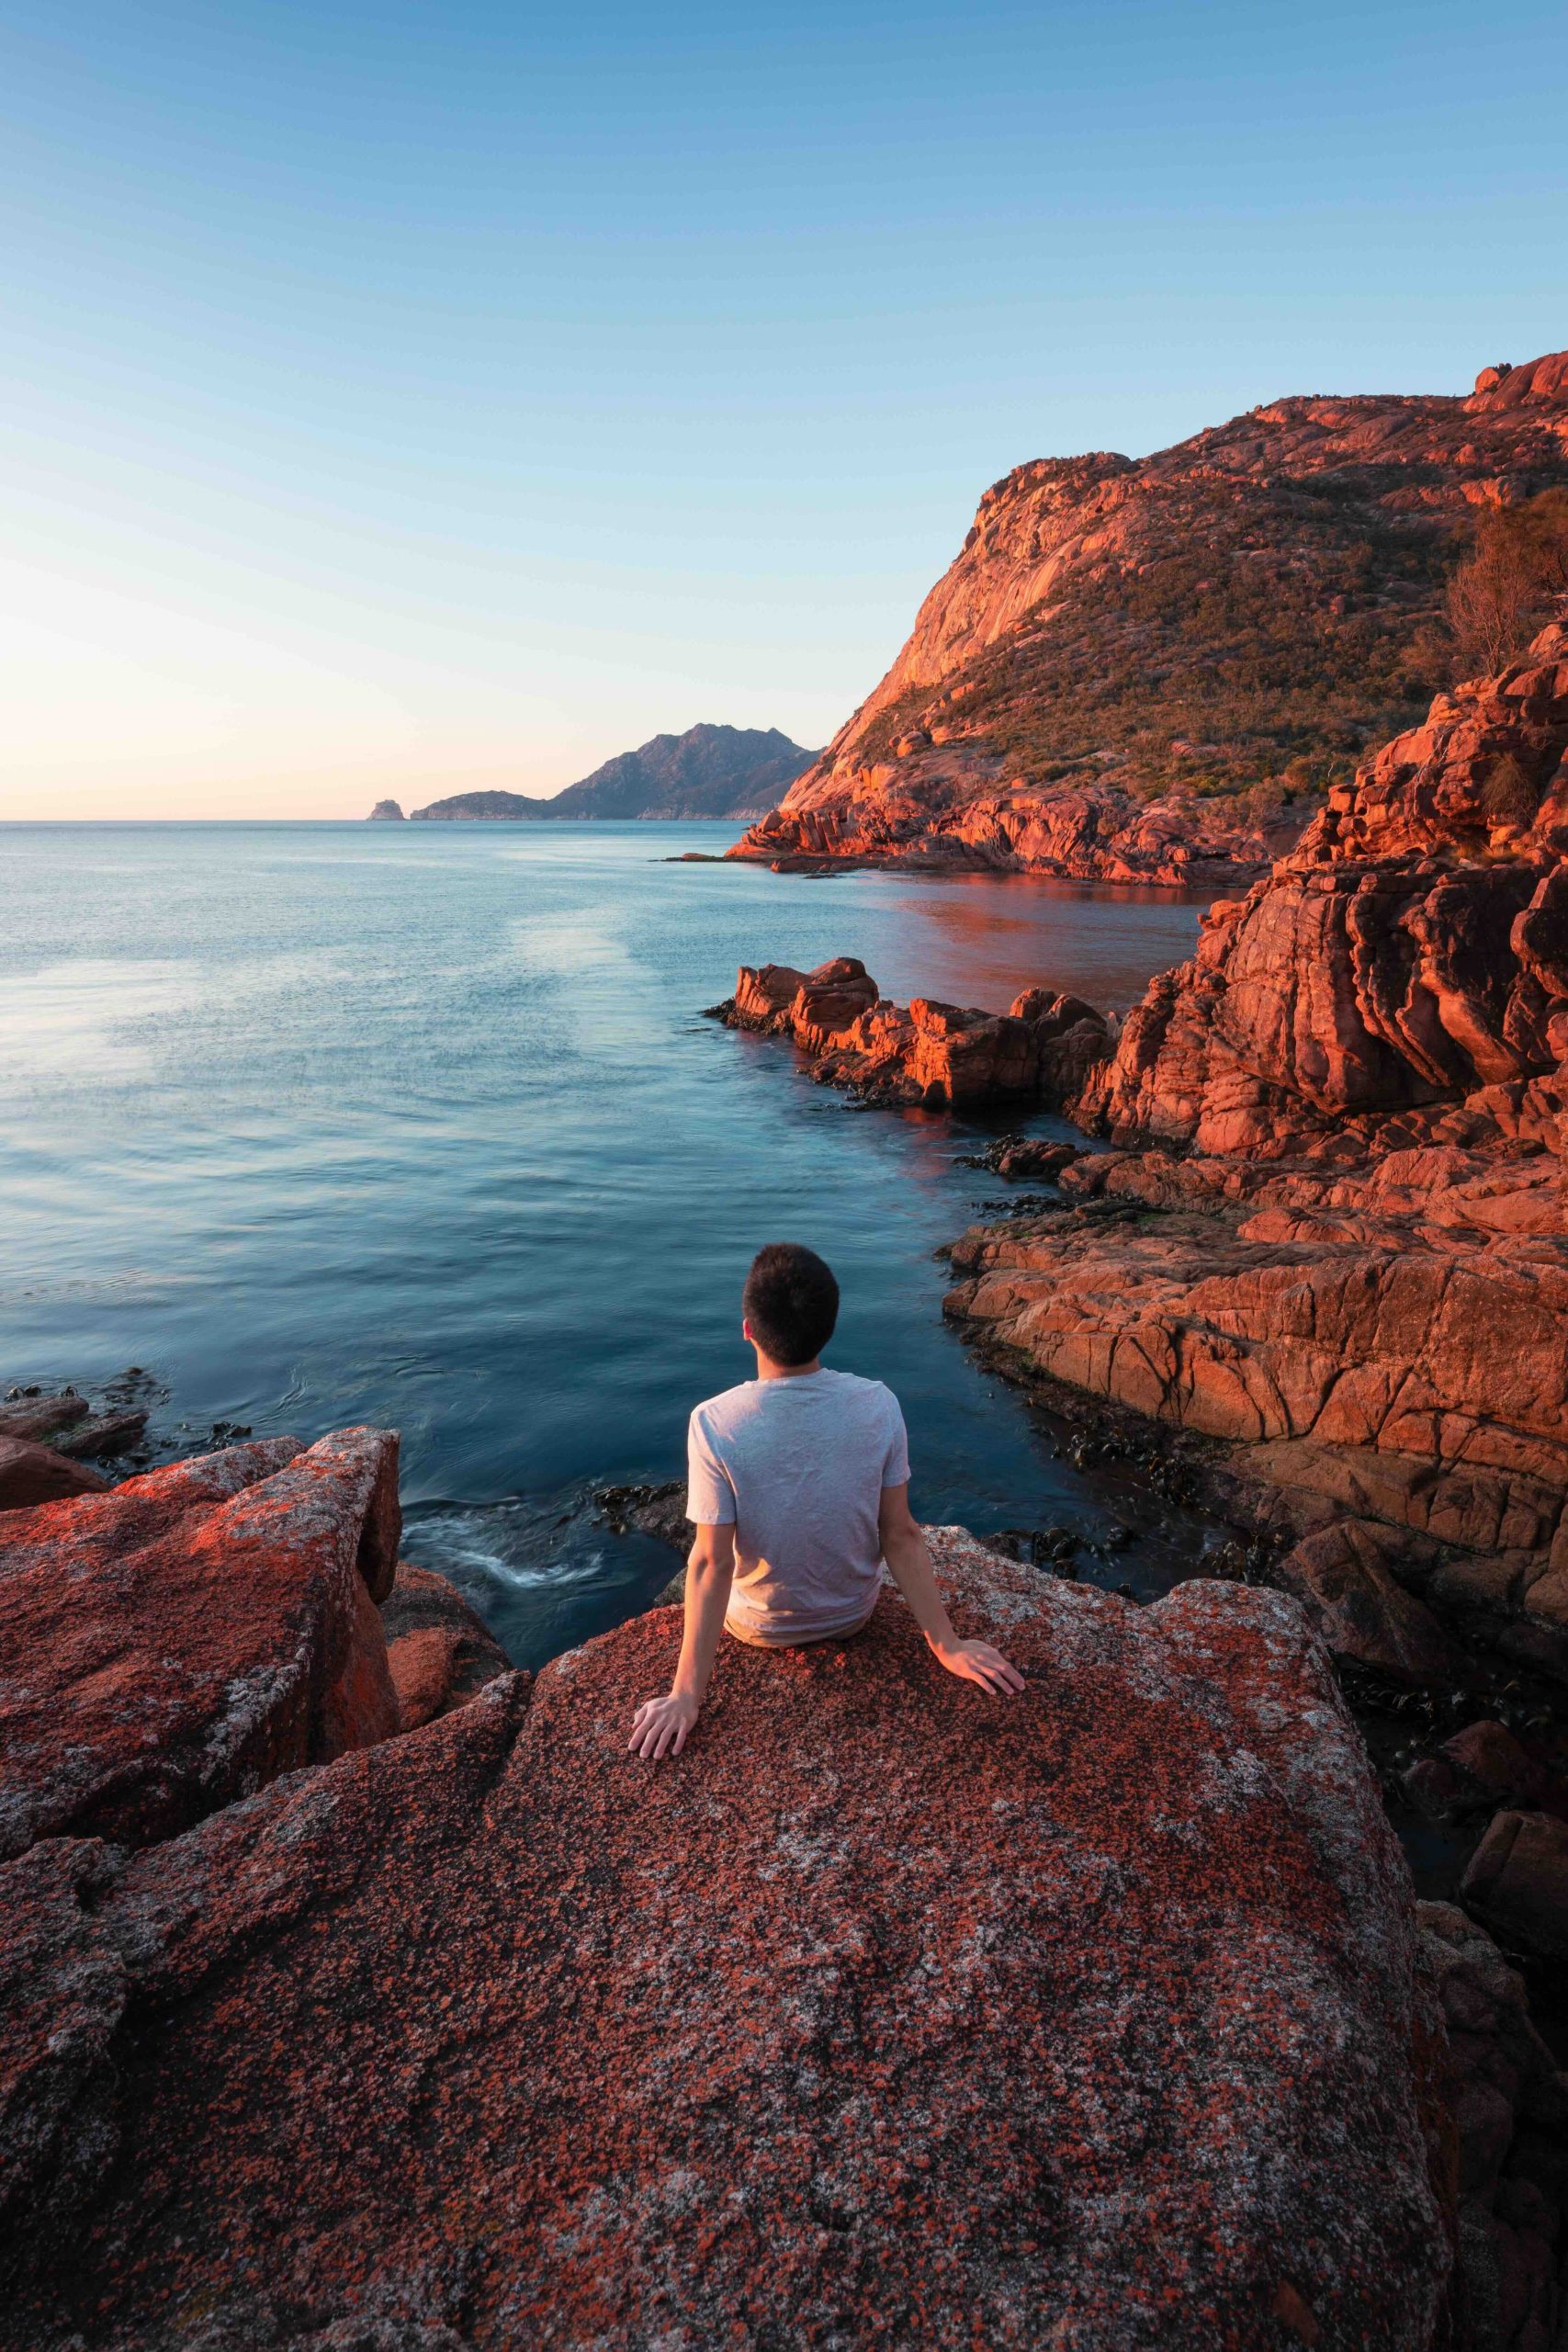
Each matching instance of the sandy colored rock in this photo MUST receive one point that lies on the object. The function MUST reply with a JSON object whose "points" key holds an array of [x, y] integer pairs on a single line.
{"points": [[174, 1642], [1097, 2016]]}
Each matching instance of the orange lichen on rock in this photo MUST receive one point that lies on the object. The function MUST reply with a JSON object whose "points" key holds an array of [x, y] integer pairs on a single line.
{"points": [[889, 2013], [175, 1641]]}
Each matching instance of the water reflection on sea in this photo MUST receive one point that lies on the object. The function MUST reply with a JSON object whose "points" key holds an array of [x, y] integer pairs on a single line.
{"points": [[422, 1126]]}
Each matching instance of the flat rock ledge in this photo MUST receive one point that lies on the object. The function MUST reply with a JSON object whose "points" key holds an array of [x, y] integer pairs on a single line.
{"points": [[890, 2013]]}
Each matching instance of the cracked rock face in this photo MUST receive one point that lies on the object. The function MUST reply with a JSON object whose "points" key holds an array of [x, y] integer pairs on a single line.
{"points": [[1354, 1267], [890, 2013], [1413, 952], [176, 1641]]}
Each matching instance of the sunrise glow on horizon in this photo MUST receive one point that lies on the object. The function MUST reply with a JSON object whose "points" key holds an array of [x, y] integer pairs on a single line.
{"points": [[401, 402]]}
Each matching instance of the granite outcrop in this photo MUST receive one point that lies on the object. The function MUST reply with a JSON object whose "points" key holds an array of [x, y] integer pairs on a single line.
{"points": [[1339, 1254], [176, 1641], [1149, 670], [485, 2033], [937, 1055]]}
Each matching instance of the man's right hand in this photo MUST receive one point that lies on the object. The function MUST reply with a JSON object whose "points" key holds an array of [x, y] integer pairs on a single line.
{"points": [[978, 1662], [660, 1726]]}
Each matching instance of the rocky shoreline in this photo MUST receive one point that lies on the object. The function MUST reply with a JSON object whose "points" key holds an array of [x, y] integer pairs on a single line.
{"points": [[1149, 2046], [1327, 1251], [367, 1997], [1085, 832]]}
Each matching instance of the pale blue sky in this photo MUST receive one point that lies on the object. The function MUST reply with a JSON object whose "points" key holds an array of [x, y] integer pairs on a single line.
{"points": [[406, 398]]}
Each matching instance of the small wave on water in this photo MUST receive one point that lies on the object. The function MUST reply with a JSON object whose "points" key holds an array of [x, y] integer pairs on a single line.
{"points": [[544, 1572]]}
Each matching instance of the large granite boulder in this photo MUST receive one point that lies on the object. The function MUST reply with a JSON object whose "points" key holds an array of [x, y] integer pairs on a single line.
{"points": [[174, 1643], [889, 2014]]}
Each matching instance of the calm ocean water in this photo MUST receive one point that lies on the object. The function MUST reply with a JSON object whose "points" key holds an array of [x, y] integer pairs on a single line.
{"points": [[420, 1124]]}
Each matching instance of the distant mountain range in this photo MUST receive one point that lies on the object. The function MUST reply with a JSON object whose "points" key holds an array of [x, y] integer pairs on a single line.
{"points": [[708, 771]]}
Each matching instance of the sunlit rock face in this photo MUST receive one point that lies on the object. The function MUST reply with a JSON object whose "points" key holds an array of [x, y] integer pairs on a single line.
{"points": [[891, 2012], [1042, 1050], [1123, 647], [1411, 954], [1352, 1264], [175, 1641]]}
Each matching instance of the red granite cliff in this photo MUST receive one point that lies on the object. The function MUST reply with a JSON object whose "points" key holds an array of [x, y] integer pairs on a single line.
{"points": [[1343, 1124], [1146, 670]]}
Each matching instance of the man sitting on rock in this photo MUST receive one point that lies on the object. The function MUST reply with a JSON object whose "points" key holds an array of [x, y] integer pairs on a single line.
{"points": [[799, 1485]]}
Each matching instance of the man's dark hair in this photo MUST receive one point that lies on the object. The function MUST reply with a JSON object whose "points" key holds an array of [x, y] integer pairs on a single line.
{"points": [[791, 1302]]}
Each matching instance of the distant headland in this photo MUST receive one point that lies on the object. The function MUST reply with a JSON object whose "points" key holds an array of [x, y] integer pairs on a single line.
{"points": [[709, 771]]}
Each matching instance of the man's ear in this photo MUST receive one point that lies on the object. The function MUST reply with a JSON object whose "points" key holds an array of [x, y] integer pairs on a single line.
{"points": [[746, 1331]]}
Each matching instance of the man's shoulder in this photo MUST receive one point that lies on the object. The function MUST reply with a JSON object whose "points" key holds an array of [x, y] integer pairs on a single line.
{"points": [[728, 1406], [851, 1387]]}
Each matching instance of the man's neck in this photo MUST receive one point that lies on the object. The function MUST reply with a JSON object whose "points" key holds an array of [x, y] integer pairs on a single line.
{"points": [[768, 1370]]}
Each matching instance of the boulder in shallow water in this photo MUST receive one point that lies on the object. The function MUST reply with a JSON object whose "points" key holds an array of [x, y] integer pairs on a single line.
{"points": [[30, 1475], [439, 1650], [890, 2012]]}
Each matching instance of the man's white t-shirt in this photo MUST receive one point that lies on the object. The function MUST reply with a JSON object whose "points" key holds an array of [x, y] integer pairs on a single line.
{"points": [[798, 1466]]}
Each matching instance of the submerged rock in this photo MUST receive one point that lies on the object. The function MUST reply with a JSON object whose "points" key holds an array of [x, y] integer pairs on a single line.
{"points": [[889, 2013], [66, 1423]]}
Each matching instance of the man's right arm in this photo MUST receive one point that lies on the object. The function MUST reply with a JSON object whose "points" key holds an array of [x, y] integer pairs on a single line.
{"points": [[907, 1555], [661, 1725]]}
